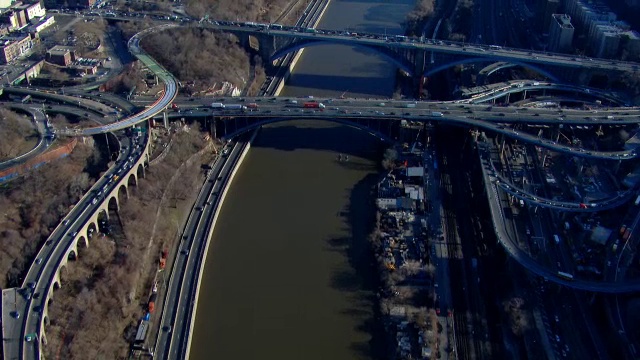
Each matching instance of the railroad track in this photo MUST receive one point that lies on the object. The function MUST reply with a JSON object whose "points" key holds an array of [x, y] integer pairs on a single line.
{"points": [[465, 346]]}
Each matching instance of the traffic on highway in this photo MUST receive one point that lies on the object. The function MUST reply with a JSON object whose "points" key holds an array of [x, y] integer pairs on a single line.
{"points": [[42, 276], [179, 314]]}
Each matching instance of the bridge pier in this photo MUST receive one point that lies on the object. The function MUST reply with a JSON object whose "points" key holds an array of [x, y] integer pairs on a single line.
{"points": [[267, 47]]}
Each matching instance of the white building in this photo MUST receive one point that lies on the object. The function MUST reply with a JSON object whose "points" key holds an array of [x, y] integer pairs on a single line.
{"points": [[35, 10]]}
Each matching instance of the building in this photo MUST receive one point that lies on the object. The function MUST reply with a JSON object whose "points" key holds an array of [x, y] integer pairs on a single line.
{"points": [[71, 3], [14, 46], [61, 55], [35, 11], [15, 19], [545, 10], [606, 42], [560, 33], [40, 25], [5, 4], [630, 42], [29, 11]]}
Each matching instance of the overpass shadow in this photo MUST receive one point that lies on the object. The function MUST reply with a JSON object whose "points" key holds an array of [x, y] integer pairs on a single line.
{"points": [[321, 135]]}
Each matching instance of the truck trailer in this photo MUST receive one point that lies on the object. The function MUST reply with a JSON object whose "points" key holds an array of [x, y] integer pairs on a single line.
{"points": [[235, 107], [313, 105]]}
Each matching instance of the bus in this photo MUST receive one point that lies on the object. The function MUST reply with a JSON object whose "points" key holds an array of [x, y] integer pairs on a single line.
{"points": [[565, 275]]}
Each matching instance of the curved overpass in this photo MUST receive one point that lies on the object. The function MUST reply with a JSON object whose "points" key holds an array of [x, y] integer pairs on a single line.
{"points": [[509, 88], [524, 259], [594, 206], [44, 141], [169, 93], [525, 65], [44, 274]]}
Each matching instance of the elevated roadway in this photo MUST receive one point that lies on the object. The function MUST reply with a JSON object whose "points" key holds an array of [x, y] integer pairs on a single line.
{"points": [[45, 137], [513, 87], [471, 115], [572, 206], [169, 93], [523, 258], [490, 52], [311, 37], [44, 274]]}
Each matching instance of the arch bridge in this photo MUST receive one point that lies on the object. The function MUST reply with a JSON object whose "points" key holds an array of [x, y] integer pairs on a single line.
{"points": [[413, 55], [74, 233]]}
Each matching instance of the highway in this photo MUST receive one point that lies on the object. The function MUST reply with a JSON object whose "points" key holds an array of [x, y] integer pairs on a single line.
{"points": [[78, 100], [492, 52], [42, 272], [618, 199], [512, 87], [467, 115], [523, 258], [45, 140], [310, 35], [169, 93], [178, 312]]}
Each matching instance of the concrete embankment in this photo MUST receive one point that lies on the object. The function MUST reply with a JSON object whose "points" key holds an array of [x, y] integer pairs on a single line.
{"points": [[298, 54], [203, 262]]}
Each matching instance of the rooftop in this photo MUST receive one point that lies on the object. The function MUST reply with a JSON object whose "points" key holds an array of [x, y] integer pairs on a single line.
{"points": [[59, 50]]}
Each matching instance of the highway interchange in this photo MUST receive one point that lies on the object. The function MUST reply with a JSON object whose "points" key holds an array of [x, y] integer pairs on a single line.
{"points": [[42, 273]]}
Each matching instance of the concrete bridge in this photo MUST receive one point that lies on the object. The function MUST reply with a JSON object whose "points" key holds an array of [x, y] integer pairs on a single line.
{"points": [[65, 243], [413, 55]]}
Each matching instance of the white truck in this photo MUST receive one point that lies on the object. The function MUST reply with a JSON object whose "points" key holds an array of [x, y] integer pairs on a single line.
{"points": [[235, 107], [436, 113], [217, 105]]}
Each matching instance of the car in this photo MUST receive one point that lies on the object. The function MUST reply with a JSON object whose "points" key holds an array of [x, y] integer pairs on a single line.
{"points": [[39, 261], [15, 314], [167, 328], [66, 222], [184, 252], [74, 234]]}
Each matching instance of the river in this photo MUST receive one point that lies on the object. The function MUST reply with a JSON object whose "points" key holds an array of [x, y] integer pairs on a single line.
{"points": [[289, 273]]}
